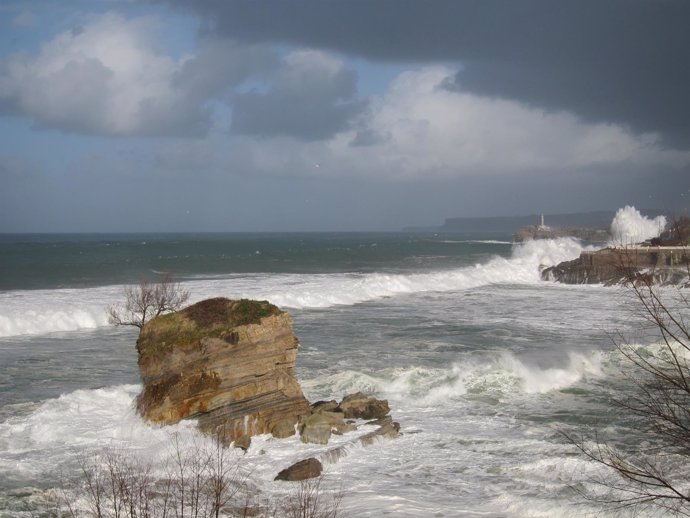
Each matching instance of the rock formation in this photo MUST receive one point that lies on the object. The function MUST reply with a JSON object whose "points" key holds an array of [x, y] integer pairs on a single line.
{"points": [[328, 417], [594, 235], [661, 265], [230, 364]]}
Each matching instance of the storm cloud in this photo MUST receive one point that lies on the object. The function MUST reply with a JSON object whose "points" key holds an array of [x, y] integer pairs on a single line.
{"points": [[312, 98], [338, 115], [619, 61]]}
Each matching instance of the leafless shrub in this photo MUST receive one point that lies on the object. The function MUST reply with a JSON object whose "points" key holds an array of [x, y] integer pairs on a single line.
{"points": [[309, 500], [656, 474], [198, 481], [147, 300]]}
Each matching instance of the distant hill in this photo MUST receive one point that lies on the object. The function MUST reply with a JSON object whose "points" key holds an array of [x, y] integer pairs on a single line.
{"points": [[594, 220]]}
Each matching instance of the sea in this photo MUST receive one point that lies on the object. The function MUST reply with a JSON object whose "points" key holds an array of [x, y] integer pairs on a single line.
{"points": [[485, 366]]}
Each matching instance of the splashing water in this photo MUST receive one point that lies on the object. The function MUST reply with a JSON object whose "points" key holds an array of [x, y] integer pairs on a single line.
{"points": [[630, 227]]}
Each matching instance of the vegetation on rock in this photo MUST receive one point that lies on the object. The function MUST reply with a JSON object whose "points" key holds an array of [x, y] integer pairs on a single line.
{"points": [[214, 318], [146, 301]]}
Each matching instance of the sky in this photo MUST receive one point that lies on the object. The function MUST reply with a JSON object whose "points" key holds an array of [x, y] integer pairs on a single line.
{"points": [[347, 115]]}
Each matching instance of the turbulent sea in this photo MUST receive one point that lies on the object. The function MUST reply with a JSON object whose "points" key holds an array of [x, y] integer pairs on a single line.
{"points": [[481, 361]]}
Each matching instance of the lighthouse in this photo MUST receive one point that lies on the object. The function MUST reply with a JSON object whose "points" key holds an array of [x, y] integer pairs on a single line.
{"points": [[541, 225]]}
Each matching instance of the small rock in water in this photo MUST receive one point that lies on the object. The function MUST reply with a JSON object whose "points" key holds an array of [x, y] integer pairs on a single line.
{"points": [[302, 470], [361, 406]]}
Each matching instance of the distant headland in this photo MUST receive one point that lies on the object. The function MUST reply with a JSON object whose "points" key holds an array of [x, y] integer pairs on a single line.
{"points": [[590, 226]]}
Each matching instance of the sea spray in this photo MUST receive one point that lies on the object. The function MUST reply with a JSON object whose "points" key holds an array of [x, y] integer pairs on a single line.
{"points": [[52, 437], [629, 226]]}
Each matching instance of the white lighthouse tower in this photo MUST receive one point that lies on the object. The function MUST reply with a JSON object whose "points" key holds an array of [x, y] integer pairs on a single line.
{"points": [[541, 225]]}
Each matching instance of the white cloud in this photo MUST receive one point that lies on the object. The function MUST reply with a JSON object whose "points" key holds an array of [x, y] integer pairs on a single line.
{"points": [[109, 77], [427, 129], [420, 130]]}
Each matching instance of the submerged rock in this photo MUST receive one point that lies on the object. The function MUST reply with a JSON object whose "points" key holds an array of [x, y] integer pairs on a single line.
{"points": [[228, 363]]}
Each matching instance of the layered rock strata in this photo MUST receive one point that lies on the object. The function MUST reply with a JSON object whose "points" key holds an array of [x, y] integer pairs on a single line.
{"points": [[660, 265], [229, 364]]}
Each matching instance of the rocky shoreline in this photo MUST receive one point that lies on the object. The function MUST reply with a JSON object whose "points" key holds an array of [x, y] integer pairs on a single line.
{"points": [[612, 266]]}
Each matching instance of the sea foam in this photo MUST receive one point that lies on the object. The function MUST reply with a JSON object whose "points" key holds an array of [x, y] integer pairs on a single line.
{"points": [[38, 312], [61, 429], [500, 375]]}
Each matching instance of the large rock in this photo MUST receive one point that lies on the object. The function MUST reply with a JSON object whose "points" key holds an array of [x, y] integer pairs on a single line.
{"points": [[610, 266], [228, 363]]}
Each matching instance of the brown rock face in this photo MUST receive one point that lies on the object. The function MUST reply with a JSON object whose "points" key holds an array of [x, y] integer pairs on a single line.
{"points": [[611, 266], [230, 364]]}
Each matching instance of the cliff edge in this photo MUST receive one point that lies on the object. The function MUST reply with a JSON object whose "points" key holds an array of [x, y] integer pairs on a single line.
{"points": [[228, 363]]}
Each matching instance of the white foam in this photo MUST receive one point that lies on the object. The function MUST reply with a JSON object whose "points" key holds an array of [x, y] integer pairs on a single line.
{"points": [[45, 311], [83, 420], [630, 227], [499, 376], [536, 380]]}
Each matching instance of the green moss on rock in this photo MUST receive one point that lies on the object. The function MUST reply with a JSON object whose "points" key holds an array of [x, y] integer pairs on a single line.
{"points": [[228, 312], [215, 318]]}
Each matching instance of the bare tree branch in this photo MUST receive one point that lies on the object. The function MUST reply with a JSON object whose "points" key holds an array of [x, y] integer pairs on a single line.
{"points": [[657, 474], [146, 301]]}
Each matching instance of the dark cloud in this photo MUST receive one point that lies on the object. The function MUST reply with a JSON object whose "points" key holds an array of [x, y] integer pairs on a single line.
{"points": [[312, 98], [622, 61], [220, 64]]}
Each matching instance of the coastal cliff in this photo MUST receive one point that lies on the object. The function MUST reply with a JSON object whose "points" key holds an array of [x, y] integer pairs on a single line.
{"points": [[229, 364], [610, 266]]}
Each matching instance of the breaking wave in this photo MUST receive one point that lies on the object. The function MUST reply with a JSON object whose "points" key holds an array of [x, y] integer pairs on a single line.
{"points": [[498, 377], [630, 227], [45, 311]]}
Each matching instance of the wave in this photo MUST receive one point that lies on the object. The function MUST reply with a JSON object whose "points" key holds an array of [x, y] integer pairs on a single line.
{"points": [[629, 226], [45, 311], [62, 429], [500, 377]]}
